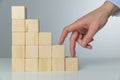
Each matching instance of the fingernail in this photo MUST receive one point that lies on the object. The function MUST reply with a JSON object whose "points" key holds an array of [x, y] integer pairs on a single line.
{"points": [[83, 44]]}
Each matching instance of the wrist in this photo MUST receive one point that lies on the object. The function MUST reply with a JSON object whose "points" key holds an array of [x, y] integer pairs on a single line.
{"points": [[109, 8]]}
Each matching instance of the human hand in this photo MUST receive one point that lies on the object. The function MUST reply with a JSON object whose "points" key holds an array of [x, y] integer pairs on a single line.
{"points": [[84, 29]]}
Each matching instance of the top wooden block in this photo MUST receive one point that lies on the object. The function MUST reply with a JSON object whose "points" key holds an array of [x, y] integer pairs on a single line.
{"points": [[32, 25], [18, 12], [58, 51], [45, 38]]}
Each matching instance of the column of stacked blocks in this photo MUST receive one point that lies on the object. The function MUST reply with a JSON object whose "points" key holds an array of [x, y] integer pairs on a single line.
{"points": [[32, 51]]}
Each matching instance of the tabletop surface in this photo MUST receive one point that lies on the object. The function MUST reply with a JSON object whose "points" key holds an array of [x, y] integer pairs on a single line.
{"points": [[89, 69]]}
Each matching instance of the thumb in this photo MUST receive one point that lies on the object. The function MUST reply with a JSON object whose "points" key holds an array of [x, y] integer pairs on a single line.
{"points": [[89, 36]]}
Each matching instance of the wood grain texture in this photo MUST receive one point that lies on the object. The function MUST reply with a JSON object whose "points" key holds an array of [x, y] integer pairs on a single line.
{"points": [[58, 51], [32, 25], [18, 52], [17, 65], [45, 51], [44, 64], [18, 38], [71, 63], [18, 26], [18, 12], [32, 38], [45, 38], [31, 52], [58, 64], [31, 65]]}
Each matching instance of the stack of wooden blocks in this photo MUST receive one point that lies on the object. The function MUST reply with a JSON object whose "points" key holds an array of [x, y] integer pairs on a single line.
{"points": [[32, 51]]}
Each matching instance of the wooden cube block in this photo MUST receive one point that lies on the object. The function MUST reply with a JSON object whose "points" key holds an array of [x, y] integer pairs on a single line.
{"points": [[71, 63], [45, 38], [58, 64], [18, 52], [58, 51], [18, 26], [18, 38], [18, 12], [18, 65], [32, 39], [45, 51], [32, 25], [31, 52], [44, 64], [31, 65]]}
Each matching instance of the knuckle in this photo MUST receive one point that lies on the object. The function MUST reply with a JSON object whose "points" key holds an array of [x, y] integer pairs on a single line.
{"points": [[65, 30]]}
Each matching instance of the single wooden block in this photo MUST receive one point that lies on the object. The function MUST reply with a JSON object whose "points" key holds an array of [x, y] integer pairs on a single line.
{"points": [[58, 51], [18, 26], [45, 38], [32, 25], [18, 65], [45, 64], [32, 38], [58, 64], [18, 52], [18, 12], [71, 63], [45, 51], [18, 38], [31, 65], [31, 52]]}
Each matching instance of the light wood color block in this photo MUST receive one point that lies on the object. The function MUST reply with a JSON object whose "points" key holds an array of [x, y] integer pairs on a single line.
{"points": [[71, 63], [18, 26], [32, 25], [31, 52], [18, 52], [45, 38], [31, 65], [32, 38], [18, 38], [18, 12], [45, 51], [18, 65], [45, 64], [58, 51], [58, 64]]}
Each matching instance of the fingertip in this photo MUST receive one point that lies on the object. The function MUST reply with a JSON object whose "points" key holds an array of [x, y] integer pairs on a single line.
{"points": [[83, 44], [73, 54], [89, 46], [60, 43]]}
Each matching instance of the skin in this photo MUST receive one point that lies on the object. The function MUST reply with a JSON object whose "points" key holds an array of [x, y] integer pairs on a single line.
{"points": [[84, 29]]}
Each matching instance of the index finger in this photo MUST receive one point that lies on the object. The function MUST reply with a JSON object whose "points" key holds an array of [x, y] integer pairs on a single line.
{"points": [[66, 30]]}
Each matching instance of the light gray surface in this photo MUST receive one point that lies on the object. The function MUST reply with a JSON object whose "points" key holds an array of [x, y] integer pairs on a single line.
{"points": [[54, 15], [90, 69]]}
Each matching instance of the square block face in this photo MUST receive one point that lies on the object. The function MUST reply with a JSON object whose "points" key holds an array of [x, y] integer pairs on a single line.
{"points": [[32, 25], [18, 26], [32, 39], [18, 38], [18, 65], [45, 64], [18, 12], [71, 63], [58, 64], [45, 51], [45, 38], [31, 52], [31, 65], [18, 52], [58, 51]]}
